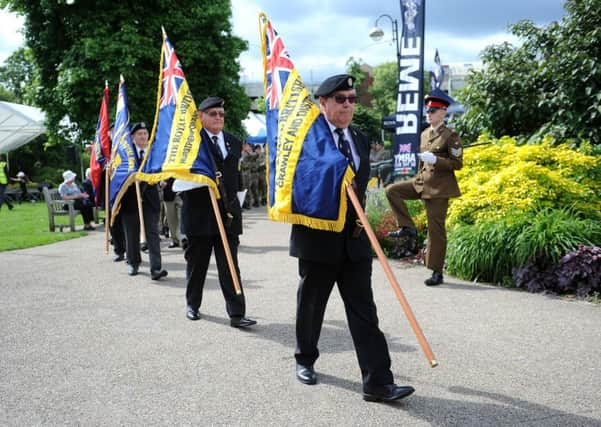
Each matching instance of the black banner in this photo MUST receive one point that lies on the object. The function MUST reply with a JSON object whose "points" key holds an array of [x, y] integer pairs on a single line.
{"points": [[410, 97]]}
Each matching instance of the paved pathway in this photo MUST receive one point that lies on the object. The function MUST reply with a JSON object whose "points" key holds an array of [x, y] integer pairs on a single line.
{"points": [[82, 343]]}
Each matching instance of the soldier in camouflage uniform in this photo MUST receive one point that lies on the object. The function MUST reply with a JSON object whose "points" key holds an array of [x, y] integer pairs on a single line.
{"points": [[254, 179], [261, 180], [246, 164]]}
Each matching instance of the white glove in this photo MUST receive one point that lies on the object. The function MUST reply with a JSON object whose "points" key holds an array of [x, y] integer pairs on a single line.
{"points": [[427, 157]]}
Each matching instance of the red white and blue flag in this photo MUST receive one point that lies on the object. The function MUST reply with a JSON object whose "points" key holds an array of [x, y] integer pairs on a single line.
{"points": [[278, 66], [101, 151], [306, 173], [175, 149], [124, 161]]}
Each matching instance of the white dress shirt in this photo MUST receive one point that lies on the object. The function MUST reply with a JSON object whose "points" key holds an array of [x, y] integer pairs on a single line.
{"points": [[220, 142], [349, 138]]}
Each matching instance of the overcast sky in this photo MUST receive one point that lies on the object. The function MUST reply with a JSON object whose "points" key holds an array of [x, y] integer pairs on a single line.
{"points": [[322, 34]]}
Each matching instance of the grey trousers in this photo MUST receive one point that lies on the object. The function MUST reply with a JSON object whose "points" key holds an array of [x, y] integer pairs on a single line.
{"points": [[172, 210]]}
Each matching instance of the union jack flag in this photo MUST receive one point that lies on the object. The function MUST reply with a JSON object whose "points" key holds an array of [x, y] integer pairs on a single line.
{"points": [[278, 66], [173, 75]]}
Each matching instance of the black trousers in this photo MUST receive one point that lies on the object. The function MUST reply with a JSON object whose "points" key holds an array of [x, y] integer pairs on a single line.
{"points": [[87, 211], [354, 285], [131, 227], [198, 255], [118, 236]]}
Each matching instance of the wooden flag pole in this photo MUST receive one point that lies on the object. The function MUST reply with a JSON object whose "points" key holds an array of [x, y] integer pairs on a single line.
{"points": [[140, 213], [391, 279], [226, 246], [107, 211]]}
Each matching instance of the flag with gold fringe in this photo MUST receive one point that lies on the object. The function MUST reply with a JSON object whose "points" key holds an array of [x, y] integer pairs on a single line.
{"points": [[124, 161], [175, 148], [306, 173]]}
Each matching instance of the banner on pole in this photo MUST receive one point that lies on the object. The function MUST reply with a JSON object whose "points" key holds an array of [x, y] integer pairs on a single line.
{"points": [[410, 96]]}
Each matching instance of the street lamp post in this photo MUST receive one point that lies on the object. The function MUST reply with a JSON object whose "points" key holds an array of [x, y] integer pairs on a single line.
{"points": [[377, 33]]}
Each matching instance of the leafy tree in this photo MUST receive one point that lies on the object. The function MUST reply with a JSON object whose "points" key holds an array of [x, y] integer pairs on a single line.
{"points": [[79, 46], [6, 95], [549, 83], [355, 67], [368, 120], [385, 88], [19, 75]]}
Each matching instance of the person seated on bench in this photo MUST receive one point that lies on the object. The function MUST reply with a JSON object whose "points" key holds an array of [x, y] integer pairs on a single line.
{"points": [[82, 202]]}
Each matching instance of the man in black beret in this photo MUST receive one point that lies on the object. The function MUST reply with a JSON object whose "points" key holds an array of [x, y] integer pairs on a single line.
{"points": [[199, 223], [440, 156], [344, 258], [151, 208]]}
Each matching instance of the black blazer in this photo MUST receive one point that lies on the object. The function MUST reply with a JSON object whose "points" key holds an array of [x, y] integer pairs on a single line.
{"points": [[168, 194], [150, 198], [197, 215], [149, 194], [332, 247]]}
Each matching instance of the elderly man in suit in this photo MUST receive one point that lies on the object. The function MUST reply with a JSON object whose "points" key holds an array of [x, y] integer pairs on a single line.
{"points": [[441, 154], [150, 210], [344, 258], [199, 223]]}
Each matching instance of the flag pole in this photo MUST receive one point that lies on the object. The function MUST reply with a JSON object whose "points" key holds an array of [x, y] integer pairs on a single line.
{"points": [[391, 279], [107, 211], [140, 212], [226, 246]]}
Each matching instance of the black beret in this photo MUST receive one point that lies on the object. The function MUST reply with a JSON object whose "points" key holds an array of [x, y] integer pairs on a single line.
{"points": [[137, 127], [335, 83], [211, 102]]}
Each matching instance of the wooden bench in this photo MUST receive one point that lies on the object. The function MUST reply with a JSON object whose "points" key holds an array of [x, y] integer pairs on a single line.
{"points": [[56, 207]]}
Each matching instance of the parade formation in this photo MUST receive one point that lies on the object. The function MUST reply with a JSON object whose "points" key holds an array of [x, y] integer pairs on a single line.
{"points": [[312, 172]]}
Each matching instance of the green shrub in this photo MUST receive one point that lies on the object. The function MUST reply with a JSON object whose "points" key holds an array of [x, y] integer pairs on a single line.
{"points": [[489, 250], [550, 234], [482, 251]]}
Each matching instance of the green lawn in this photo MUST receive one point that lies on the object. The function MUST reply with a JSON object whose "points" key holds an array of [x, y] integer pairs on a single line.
{"points": [[27, 225]]}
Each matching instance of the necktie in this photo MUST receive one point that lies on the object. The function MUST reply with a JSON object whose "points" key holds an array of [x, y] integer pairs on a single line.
{"points": [[141, 155], [345, 148], [216, 148]]}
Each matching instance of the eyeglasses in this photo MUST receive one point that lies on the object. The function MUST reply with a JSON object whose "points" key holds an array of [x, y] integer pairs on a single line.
{"points": [[216, 113], [432, 110], [340, 99]]}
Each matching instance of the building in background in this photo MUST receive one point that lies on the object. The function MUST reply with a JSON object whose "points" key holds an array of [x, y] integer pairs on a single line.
{"points": [[455, 76]]}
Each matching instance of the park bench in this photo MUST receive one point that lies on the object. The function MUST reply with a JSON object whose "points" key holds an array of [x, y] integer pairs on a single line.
{"points": [[59, 207]]}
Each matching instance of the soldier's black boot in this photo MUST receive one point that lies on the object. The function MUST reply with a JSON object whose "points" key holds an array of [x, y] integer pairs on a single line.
{"points": [[404, 232], [435, 280]]}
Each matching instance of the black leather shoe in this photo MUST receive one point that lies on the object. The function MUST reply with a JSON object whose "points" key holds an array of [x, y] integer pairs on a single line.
{"points": [[387, 393], [403, 232], [157, 275], [132, 270], [192, 314], [241, 322], [173, 245], [305, 374], [118, 257], [184, 244], [143, 246], [435, 280]]}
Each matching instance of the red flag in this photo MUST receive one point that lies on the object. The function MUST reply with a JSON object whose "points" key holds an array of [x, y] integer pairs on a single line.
{"points": [[101, 151]]}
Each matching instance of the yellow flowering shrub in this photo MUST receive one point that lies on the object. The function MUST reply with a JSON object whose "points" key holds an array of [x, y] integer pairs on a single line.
{"points": [[503, 177]]}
